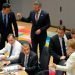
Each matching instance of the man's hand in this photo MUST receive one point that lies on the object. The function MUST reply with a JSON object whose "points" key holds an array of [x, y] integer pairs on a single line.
{"points": [[20, 67], [19, 16], [3, 57], [6, 62], [53, 65], [62, 57], [38, 32]]}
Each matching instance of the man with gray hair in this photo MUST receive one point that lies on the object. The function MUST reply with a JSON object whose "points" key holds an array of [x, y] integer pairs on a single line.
{"points": [[40, 23]]}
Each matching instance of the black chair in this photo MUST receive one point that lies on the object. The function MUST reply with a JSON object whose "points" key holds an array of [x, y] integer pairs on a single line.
{"points": [[44, 72], [44, 59]]}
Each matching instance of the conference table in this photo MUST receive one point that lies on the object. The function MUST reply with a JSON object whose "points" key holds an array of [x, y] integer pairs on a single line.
{"points": [[20, 72], [10, 71]]}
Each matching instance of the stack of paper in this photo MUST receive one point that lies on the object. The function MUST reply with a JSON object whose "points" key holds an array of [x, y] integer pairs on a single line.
{"points": [[11, 67]]}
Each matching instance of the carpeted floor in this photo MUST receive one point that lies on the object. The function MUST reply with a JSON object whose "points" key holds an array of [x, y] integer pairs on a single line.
{"points": [[25, 30]]}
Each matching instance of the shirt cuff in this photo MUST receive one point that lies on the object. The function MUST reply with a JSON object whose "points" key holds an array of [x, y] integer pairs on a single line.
{"points": [[23, 68]]}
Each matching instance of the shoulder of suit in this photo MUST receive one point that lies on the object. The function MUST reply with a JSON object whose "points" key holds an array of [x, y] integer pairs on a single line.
{"points": [[55, 36], [44, 12], [33, 53], [22, 54], [68, 35], [11, 13]]}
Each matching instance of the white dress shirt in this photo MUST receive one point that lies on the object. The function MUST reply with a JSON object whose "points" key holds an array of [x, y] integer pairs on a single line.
{"points": [[70, 65], [17, 47]]}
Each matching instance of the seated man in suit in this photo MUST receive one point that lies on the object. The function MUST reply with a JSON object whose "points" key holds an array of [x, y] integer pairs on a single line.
{"points": [[57, 46], [70, 63], [13, 48], [28, 59]]}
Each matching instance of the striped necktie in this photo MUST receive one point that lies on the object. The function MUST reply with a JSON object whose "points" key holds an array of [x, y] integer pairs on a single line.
{"points": [[36, 17]]}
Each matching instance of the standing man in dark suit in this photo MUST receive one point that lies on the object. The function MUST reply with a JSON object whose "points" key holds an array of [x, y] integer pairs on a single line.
{"points": [[28, 60], [7, 19], [40, 23]]}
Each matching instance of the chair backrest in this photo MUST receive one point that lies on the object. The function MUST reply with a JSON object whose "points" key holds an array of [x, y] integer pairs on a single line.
{"points": [[44, 59], [46, 72]]}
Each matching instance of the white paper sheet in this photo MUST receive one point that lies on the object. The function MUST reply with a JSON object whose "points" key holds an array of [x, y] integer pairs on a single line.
{"points": [[11, 67]]}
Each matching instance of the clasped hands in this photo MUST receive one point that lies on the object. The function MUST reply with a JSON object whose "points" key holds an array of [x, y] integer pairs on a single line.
{"points": [[52, 65], [4, 60]]}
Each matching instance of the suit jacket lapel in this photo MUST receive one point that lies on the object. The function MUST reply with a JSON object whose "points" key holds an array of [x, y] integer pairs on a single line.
{"points": [[58, 41], [41, 16], [29, 59], [23, 59], [33, 17], [8, 18], [1, 18]]}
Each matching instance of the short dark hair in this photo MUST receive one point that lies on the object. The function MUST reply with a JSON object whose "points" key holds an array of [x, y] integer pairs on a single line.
{"points": [[62, 28], [25, 42], [10, 35], [37, 2], [6, 5]]}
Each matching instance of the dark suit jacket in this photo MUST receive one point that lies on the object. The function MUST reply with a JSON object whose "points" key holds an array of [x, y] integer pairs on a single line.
{"points": [[6, 30], [55, 48], [68, 35], [43, 23], [32, 62]]}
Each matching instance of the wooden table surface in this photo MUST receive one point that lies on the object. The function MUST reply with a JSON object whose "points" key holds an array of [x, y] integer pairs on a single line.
{"points": [[21, 72]]}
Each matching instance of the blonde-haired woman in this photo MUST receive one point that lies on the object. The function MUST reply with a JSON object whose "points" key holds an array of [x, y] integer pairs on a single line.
{"points": [[70, 63]]}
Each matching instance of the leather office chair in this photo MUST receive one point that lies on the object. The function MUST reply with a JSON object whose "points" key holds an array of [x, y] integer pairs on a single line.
{"points": [[46, 72], [44, 59]]}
